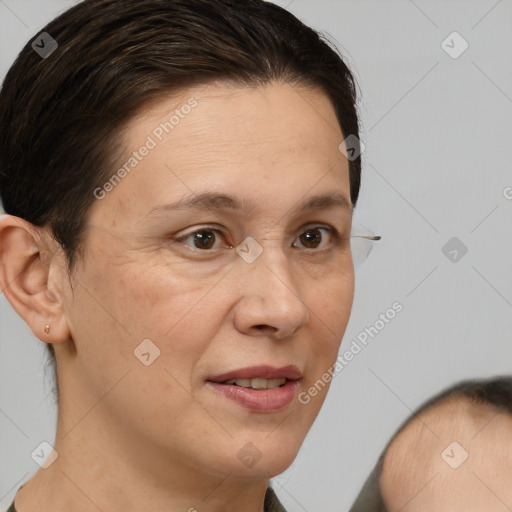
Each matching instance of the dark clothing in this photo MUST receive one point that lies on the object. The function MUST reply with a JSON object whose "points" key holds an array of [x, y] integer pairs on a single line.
{"points": [[272, 503], [370, 498]]}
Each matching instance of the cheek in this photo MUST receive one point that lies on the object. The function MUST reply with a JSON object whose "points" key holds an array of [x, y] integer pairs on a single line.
{"points": [[330, 303], [177, 312], [329, 308], [122, 303], [138, 303]]}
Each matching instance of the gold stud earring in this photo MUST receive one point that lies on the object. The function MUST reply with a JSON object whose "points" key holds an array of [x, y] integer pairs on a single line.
{"points": [[47, 329]]}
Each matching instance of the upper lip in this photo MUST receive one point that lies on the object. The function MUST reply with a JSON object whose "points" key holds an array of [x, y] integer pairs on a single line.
{"points": [[290, 372]]}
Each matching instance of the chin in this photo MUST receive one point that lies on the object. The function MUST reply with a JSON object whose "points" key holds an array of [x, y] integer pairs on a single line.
{"points": [[265, 455], [263, 469]]}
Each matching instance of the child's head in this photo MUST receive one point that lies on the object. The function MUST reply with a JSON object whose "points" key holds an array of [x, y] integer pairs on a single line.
{"points": [[454, 454]]}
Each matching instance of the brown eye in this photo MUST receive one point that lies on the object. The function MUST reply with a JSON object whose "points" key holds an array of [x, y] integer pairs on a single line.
{"points": [[312, 237], [203, 239]]}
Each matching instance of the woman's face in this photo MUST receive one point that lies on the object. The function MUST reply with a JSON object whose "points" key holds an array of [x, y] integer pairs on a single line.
{"points": [[162, 306]]}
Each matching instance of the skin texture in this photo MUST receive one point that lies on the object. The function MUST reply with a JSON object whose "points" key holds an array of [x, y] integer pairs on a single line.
{"points": [[416, 478], [135, 437]]}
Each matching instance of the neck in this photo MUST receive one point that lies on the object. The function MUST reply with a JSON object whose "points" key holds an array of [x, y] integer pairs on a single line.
{"points": [[97, 471]]}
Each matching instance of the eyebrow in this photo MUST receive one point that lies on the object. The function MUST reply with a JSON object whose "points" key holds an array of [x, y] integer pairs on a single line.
{"points": [[217, 201]]}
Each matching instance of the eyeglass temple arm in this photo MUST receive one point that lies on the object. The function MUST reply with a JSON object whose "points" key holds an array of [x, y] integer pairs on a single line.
{"points": [[368, 237]]}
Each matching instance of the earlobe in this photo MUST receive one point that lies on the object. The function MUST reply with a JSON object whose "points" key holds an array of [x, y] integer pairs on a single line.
{"points": [[25, 279]]}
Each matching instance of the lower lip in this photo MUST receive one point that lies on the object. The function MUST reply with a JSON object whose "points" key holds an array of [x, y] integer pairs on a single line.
{"points": [[259, 400]]}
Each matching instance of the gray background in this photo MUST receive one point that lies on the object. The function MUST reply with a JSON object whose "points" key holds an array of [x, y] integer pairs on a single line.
{"points": [[437, 162]]}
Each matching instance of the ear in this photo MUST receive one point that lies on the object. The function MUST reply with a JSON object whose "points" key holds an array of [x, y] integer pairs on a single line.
{"points": [[31, 272]]}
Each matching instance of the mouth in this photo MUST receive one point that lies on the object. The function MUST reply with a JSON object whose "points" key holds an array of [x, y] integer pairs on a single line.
{"points": [[257, 374], [261, 389], [257, 383]]}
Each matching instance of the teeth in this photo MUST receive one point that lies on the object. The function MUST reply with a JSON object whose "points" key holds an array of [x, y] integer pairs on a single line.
{"points": [[257, 383]]}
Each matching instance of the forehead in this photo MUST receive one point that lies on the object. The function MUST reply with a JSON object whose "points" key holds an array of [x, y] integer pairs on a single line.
{"points": [[248, 121], [269, 141], [417, 458]]}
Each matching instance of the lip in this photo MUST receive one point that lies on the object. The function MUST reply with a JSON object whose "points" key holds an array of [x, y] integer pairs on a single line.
{"points": [[259, 400], [290, 372]]}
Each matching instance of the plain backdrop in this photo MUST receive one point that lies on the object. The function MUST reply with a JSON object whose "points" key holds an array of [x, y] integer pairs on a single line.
{"points": [[437, 128]]}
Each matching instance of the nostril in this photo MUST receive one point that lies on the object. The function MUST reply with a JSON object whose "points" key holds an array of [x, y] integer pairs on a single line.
{"points": [[265, 327]]}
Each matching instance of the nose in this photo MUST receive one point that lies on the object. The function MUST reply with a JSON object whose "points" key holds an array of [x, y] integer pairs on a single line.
{"points": [[270, 301]]}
